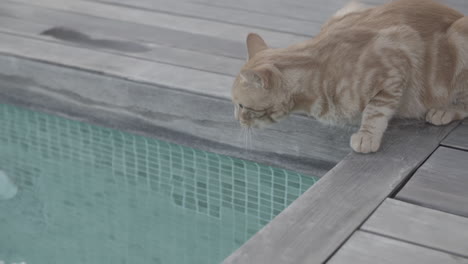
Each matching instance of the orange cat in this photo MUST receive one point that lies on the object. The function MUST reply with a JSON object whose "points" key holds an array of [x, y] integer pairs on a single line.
{"points": [[408, 58]]}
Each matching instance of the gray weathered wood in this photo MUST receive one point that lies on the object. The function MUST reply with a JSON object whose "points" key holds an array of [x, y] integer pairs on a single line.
{"points": [[317, 11], [137, 32], [441, 183], [420, 225], [33, 25], [458, 138], [143, 33], [180, 23], [123, 67], [366, 248], [310, 10], [233, 16], [314, 226]]}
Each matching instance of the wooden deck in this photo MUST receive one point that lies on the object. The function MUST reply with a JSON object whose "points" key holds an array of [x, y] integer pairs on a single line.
{"points": [[426, 221], [164, 68]]}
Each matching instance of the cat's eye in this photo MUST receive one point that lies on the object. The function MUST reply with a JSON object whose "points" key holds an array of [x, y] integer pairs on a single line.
{"points": [[241, 106]]}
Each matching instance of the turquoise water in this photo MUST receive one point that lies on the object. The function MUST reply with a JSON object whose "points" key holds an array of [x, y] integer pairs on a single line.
{"points": [[89, 195]]}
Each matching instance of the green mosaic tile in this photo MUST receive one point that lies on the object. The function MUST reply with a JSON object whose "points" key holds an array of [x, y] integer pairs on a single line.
{"points": [[89, 194]]}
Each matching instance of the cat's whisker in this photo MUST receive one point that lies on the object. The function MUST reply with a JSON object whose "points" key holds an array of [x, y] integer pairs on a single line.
{"points": [[245, 133], [249, 137], [240, 136], [246, 139]]}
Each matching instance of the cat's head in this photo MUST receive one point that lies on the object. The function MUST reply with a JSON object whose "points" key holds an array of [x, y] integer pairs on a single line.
{"points": [[257, 93]]}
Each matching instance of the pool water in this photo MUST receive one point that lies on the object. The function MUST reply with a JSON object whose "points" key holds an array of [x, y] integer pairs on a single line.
{"points": [[88, 194]]}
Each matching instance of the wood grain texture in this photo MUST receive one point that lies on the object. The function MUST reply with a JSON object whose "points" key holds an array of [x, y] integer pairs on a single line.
{"points": [[441, 183], [458, 138], [226, 15], [314, 226], [132, 31], [315, 10], [309, 10], [420, 225], [365, 248], [169, 21], [125, 67], [92, 33]]}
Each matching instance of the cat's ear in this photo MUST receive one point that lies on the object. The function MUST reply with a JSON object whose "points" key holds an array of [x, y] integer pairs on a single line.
{"points": [[258, 78], [255, 44]]}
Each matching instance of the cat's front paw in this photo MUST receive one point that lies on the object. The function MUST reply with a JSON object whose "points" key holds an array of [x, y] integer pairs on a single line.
{"points": [[440, 117], [364, 142]]}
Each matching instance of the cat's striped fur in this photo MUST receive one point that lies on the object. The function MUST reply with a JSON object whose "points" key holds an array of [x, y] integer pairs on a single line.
{"points": [[408, 58]]}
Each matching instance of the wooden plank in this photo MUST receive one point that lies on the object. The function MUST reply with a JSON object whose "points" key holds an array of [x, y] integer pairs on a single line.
{"points": [[365, 248], [458, 138], [316, 10], [303, 10], [232, 16], [310, 10], [314, 226], [150, 35], [441, 183], [95, 37], [420, 225], [180, 23], [178, 78]]}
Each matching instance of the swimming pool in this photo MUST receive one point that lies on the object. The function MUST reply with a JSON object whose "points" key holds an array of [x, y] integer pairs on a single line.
{"points": [[89, 194]]}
